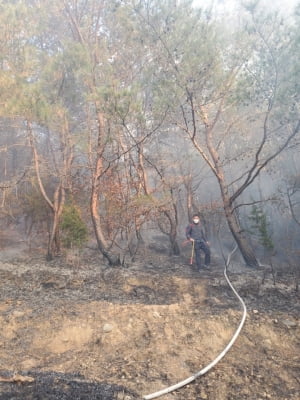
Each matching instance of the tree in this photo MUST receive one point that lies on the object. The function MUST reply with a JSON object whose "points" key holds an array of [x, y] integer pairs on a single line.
{"points": [[33, 98], [95, 81], [113, 105], [226, 86], [15, 157], [261, 228]]}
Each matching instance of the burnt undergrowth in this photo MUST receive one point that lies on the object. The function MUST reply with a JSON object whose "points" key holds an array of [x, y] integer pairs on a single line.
{"points": [[57, 386]]}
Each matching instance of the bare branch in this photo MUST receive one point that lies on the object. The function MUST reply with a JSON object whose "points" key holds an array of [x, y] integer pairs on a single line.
{"points": [[251, 178], [253, 202]]}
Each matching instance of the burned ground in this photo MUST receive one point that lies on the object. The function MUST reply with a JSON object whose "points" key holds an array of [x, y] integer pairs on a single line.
{"points": [[82, 330]]}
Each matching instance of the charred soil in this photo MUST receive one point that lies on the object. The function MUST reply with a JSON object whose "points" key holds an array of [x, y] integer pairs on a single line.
{"points": [[82, 330]]}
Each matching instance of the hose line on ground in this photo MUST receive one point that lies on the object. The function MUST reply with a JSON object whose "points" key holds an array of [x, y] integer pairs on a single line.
{"points": [[221, 355]]}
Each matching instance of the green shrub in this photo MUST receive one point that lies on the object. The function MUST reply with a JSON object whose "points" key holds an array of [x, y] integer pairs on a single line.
{"points": [[260, 227], [74, 230]]}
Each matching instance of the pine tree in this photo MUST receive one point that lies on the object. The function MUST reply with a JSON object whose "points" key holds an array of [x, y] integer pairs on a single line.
{"points": [[260, 228]]}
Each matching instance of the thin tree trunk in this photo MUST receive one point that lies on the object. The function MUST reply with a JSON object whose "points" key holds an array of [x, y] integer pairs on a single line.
{"points": [[54, 240], [172, 232], [94, 201], [238, 234], [233, 224], [240, 238], [96, 220]]}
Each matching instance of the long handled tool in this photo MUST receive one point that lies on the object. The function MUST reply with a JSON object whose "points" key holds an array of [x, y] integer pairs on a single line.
{"points": [[192, 256]]}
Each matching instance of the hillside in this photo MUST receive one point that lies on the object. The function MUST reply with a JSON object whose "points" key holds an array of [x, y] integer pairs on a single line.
{"points": [[77, 329]]}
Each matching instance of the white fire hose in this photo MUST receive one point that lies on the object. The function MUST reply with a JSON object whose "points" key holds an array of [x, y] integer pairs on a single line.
{"points": [[220, 356]]}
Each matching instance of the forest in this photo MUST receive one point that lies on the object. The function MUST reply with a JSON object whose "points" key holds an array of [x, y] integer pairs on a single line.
{"points": [[125, 117], [120, 119]]}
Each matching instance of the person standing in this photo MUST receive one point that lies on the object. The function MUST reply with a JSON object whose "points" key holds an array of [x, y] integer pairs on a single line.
{"points": [[195, 233]]}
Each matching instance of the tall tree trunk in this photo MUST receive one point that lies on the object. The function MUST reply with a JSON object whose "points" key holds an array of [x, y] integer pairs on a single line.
{"points": [[238, 234], [96, 219], [54, 206], [172, 232], [233, 224], [240, 238], [54, 239], [59, 197], [94, 201]]}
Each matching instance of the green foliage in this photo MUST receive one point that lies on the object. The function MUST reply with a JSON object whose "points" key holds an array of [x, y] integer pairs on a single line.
{"points": [[74, 230], [144, 67], [260, 227]]}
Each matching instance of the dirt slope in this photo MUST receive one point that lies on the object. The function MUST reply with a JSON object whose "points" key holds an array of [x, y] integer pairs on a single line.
{"points": [[85, 331]]}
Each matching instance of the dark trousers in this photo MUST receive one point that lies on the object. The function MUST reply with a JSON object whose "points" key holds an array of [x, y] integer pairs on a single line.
{"points": [[199, 247]]}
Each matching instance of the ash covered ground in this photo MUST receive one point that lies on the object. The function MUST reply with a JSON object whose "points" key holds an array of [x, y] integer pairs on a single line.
{"points": [[78, 329]]}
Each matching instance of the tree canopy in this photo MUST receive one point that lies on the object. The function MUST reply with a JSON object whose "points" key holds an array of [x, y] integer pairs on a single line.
{"points": [[119, 104]]}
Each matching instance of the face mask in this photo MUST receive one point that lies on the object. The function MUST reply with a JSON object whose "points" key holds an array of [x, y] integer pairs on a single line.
{"points": [[196, 220]]}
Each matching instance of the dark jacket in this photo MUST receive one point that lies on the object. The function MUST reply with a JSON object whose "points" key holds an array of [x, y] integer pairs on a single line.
{"points": [[196, 232]]}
